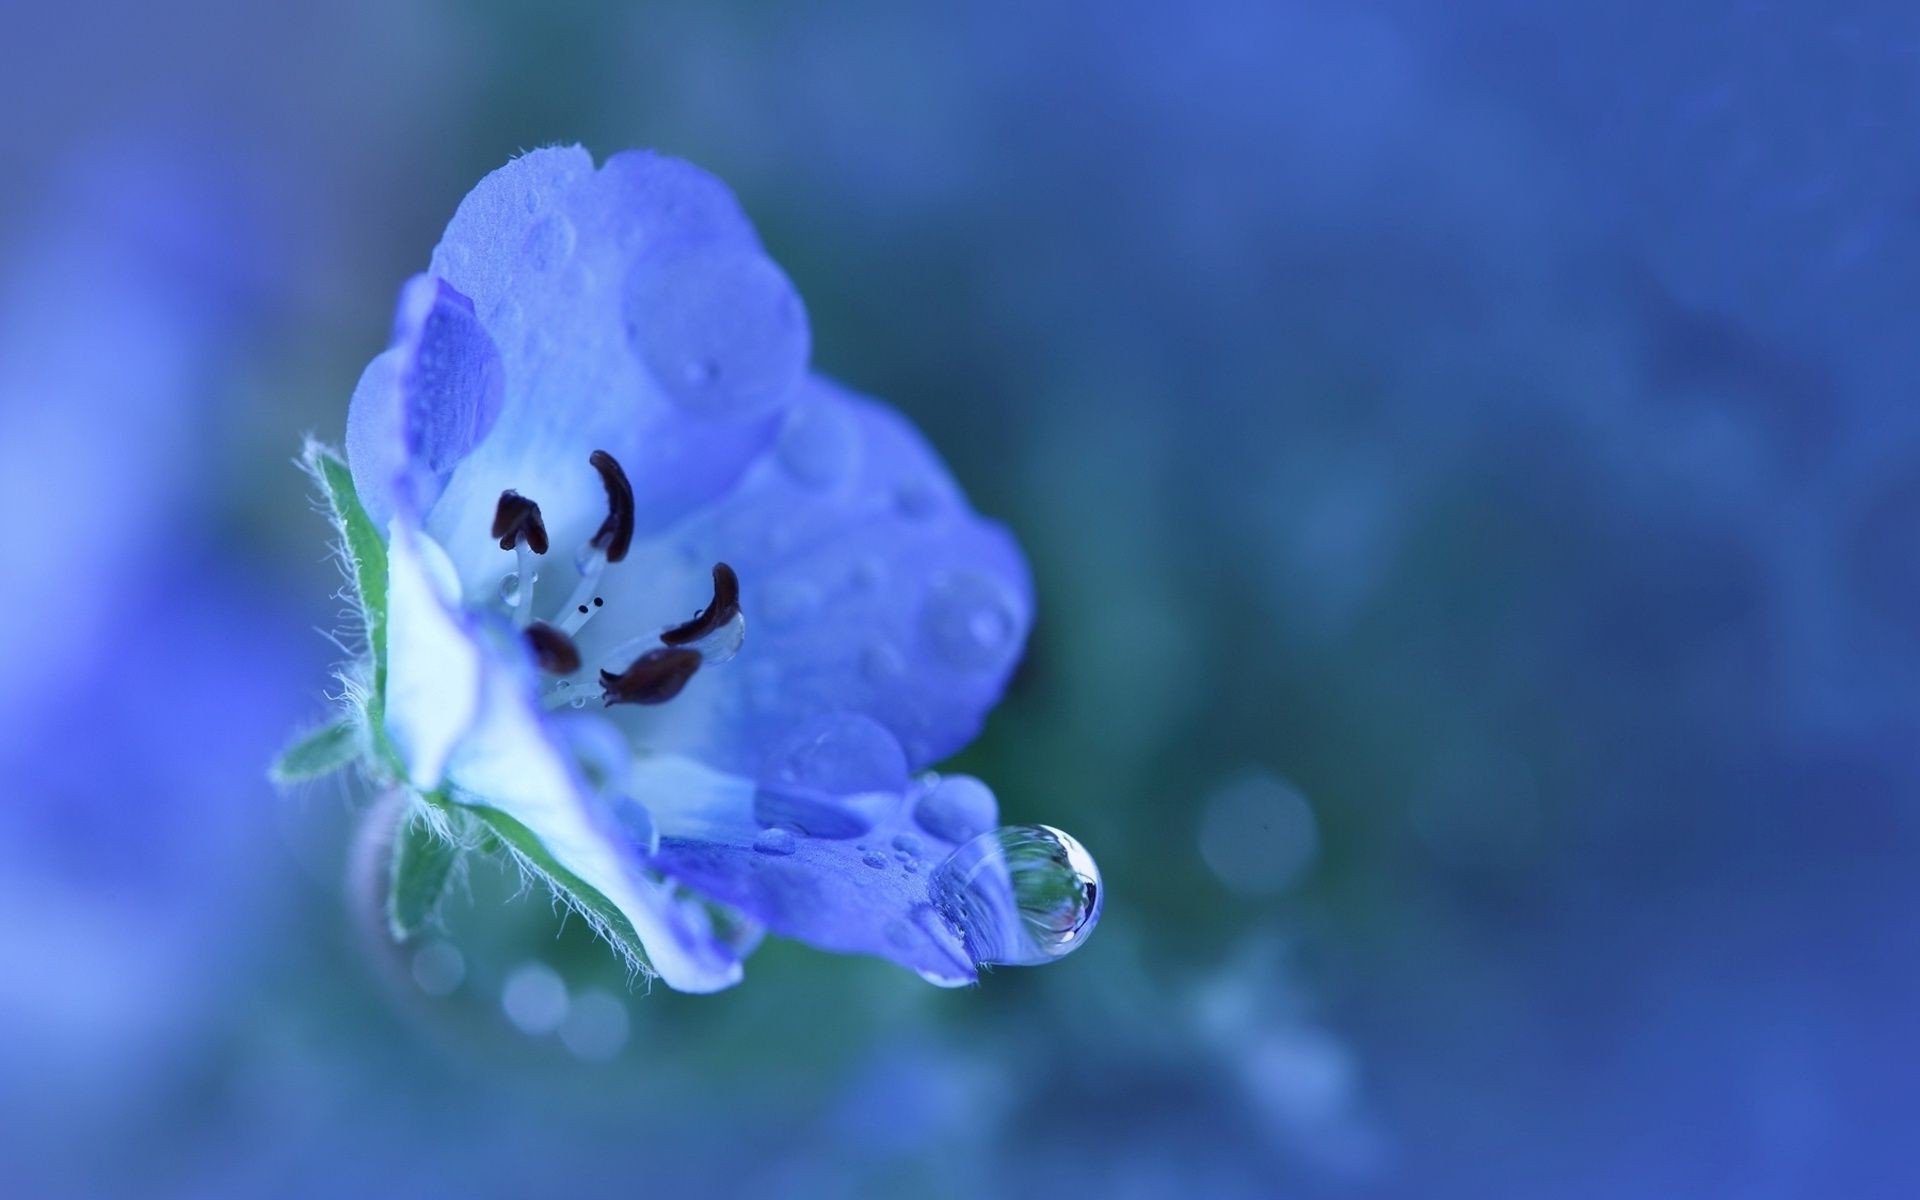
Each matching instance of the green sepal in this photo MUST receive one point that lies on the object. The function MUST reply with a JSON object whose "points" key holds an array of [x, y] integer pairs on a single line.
{"points": [[365, 554], [319, 753], [598, 911], [423, 861]]}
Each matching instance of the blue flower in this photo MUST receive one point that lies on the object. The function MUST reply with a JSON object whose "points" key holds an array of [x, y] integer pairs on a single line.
{"points": [[680, 623]]}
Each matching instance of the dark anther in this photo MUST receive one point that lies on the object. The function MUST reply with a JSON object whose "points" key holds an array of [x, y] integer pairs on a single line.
{"points": [[553, 650], [518, 517], [726, 602], [616, 532], [654, 678]]}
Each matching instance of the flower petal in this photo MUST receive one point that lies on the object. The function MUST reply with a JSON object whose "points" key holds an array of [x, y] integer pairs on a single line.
{"points": [[433, 660], [864, 896], [424, 403], [636, 313], [868, 586]]}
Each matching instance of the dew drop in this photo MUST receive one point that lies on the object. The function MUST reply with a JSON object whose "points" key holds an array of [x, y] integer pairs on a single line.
{"points": [[916, 498], [724, 643], [549, 243], [874, 859], [510, 588], [775, 841], [956, 808], [833, 776], [906, 843], [881, 662], [718, 325], [1020, 895], [972, 620], [817, 444]]}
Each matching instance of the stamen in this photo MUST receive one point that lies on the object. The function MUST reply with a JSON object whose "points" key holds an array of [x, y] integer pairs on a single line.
{"points": [[516, 517], [654, 678], [616, 532], [725, 603], [553, 650]]}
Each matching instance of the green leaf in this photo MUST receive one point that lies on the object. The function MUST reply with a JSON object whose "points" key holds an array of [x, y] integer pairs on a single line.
{"points": [[321, 752], [598, 911], [423, 861]]}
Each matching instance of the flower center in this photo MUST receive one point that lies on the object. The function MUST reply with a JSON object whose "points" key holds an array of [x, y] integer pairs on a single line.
{"points": [[648, 669]]}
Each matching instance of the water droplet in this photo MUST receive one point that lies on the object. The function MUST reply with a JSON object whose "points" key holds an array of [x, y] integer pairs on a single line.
{"points": [[874, 859], [911, 866], [718, 325], [972, 620], [882, 661], [957, 808], [817, 444], [775, 841], [906, 843], [549, 243], [534, 999], [596, 1027], [578, 702], [510, 588], [723, 643], [1019, 895], [833, 776], [916, 498]]}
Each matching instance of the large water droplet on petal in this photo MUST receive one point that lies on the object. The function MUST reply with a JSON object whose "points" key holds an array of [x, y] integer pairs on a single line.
{"points": [[775, 841], [1020, 895], [718, 326], [834, 776], [957, 808], [972, 620], [817, 444]]}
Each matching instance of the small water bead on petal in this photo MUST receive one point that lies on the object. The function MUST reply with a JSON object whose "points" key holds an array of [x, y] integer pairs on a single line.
{"points": [[719, 611], [882, 662], [1020, 895], [957, 808], [818, 444], [548, 244], [719, 327], [972, 620], [833, 776], [874, 859], [775, 841], [916, 498], [906, 843]]}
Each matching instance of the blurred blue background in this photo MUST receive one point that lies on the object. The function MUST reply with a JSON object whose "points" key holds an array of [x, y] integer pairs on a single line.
{"points": [[1468, 455]]}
